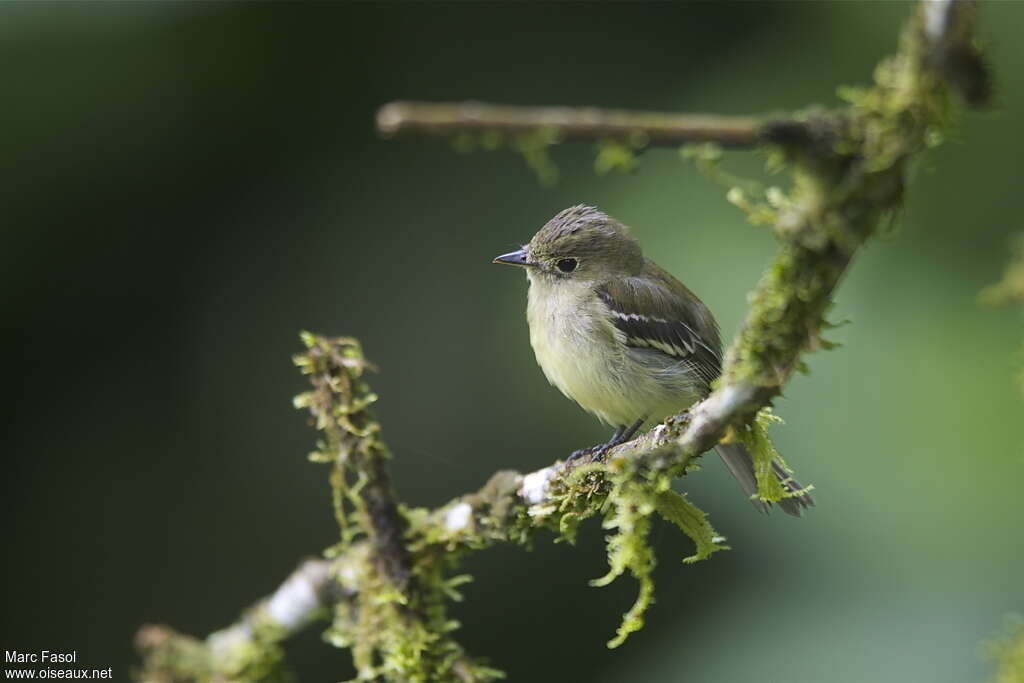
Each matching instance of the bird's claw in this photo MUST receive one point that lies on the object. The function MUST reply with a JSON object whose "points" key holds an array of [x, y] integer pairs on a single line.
{"points": [[595, 453], [583, 452], [680, 419]]}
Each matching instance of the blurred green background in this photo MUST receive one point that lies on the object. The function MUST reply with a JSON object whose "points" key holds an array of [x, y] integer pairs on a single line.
{"points": [[185, 186]]}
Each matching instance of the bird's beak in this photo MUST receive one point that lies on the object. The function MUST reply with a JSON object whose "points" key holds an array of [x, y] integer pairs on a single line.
{"points": [[513, 258]]}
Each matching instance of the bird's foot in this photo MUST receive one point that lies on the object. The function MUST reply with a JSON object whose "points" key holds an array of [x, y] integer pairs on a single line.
{"points": [[598, 454], [584, 452], [680, 420], [622, 435]]}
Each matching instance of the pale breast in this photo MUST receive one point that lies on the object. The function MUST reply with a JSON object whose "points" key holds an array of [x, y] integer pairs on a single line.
{"points": [[582, 354]]}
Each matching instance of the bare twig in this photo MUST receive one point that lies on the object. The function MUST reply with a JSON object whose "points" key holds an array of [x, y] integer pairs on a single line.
{"points": [[590, 124]]}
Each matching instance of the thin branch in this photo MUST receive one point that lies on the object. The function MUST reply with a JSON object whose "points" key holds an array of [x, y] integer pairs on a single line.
{"points": [[467, 521], [644, 128], [338, 403], [248, 647], [291, 607]]}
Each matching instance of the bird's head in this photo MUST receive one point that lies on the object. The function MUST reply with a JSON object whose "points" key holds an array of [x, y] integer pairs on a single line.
{"points": [[580, 243]]}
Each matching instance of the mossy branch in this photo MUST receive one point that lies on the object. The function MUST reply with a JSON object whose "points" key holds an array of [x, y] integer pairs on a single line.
{"points": [[339, 405], [249, 650], [386, 584]]}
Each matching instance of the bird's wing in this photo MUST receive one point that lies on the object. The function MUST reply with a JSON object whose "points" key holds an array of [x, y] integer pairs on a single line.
{"points": [[662, 315]]}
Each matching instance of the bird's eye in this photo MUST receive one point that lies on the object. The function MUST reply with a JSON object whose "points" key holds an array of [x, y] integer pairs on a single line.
{"points": [[566, 265]]}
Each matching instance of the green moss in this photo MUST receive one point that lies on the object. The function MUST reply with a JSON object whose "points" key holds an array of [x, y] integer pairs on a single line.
{"points": [[223, 657], [692, 521], [615, 155], [171, 656], [578, 494], [395, 638], [707, 158], [629, 494], [834, 203], [629, 517], [533, 146], [338, 405], [495, 509], [755, 437], [394, 619], [258, 658], [1006, 650], [1010, 289]]}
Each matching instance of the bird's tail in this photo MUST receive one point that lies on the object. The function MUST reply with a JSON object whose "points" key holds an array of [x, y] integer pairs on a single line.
{"points": [[739, 461]]}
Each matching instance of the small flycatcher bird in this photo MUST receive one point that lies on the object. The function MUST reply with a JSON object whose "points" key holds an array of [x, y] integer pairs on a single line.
{"points": [[621, 337]]}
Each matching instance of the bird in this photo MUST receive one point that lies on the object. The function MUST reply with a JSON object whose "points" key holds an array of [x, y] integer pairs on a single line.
{"points": [[622, 337]]}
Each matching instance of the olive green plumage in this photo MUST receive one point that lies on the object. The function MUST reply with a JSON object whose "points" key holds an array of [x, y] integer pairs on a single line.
{"points": [[621, 336]]}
